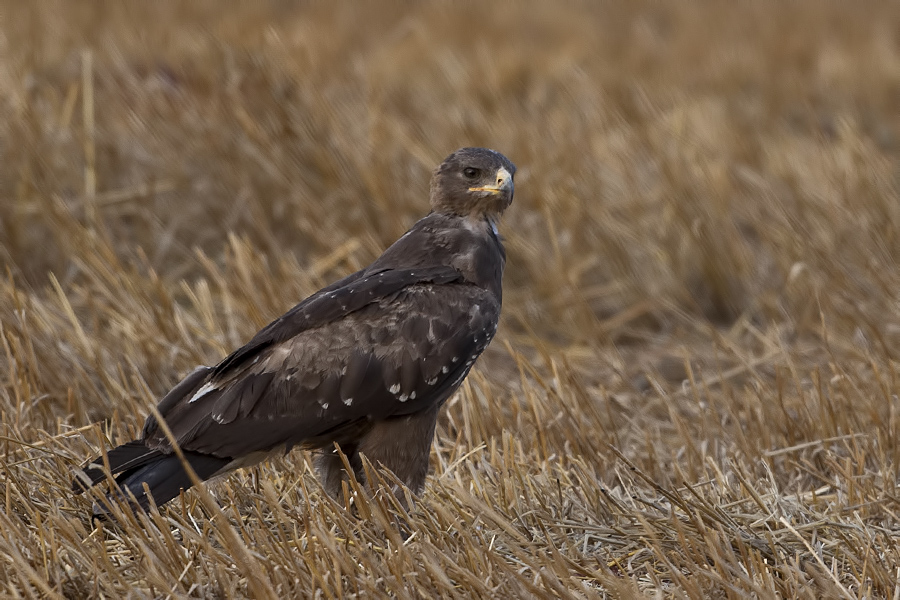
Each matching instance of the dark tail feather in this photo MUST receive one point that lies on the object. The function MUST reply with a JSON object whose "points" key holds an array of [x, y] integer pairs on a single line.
{"points": [[165, 477], [135, 464], [124, 458]]}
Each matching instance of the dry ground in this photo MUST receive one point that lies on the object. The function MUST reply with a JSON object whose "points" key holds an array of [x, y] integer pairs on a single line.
{"points": [[693, 392]]}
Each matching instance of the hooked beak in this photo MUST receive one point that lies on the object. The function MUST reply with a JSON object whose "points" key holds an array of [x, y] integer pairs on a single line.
{"points": [[504, 183]]}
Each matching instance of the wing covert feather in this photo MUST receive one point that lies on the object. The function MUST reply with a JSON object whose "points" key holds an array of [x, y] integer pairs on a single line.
{"points": [[333, 302]]}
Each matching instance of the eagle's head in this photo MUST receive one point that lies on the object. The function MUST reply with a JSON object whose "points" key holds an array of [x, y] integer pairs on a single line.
{"points": [[473, 182]]}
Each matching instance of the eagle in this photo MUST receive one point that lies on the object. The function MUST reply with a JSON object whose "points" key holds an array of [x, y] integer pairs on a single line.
{"points": [[363, 365]]}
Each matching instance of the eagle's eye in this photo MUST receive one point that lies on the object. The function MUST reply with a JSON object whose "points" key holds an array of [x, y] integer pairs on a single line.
{"points": [[470, 172]]}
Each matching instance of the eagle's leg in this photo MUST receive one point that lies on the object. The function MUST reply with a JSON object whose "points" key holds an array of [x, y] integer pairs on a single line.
{"points": [[330, 468], [403, 445]]}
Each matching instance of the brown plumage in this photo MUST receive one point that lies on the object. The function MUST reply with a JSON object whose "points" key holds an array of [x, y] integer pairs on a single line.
{"points": [[365, 363]]}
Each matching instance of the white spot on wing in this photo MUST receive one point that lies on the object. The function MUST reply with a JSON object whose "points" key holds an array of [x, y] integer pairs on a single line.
{"points": [[348, 401], [207, 388], [394, 388], [444, 370], [403, 398], [431, 381], [412, 395]]}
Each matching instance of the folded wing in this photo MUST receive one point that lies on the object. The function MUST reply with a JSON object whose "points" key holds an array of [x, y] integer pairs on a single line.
{"points": [[388, 344]]}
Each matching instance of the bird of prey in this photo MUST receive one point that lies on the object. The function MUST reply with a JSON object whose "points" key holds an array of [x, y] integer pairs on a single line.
{"points": [[365, 363]]}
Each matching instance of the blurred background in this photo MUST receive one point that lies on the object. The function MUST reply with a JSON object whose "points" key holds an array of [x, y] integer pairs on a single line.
{"points": [[683, 157], [703, 247]]}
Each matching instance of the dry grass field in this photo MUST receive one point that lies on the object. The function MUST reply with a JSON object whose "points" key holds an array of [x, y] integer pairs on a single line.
{"points": [[694, 388]]}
